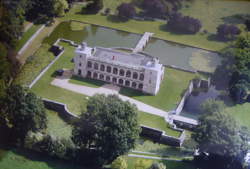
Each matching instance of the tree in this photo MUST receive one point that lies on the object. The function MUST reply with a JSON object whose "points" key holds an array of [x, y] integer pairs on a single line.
{"points": [[239, 91], [212, 105], [94, 6], [225, 31], [60, 6], [109, 128], [157, 166], [4, 68], [247, 23], [183, 24], [155, 8], [119, 163], [126, 10], [22, 111], [219, 135]]}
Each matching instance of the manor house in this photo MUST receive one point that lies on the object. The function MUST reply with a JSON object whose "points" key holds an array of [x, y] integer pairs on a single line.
{"points": [[134, 70]]}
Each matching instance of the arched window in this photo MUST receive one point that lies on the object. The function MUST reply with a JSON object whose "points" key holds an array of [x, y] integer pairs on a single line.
{"points": [[108, 69], [102, 67], [141, 77], [135, 75], [89, 74], [140, 86], [89, 64], [108, 78], [120, 81], [121, 72], [114, 80], [134, 85], [96, 66], [115, 70], [128, 74], [101, 76], [95, 75], [127, 83]]}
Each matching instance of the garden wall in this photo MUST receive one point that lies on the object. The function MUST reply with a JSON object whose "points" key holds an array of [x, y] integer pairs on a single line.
{"points": [[160, 136]]}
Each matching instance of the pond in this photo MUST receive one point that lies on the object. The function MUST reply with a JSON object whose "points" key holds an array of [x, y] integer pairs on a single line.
{"points": [[169, 53]]}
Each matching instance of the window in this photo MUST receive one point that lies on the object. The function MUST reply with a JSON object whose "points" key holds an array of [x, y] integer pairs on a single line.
{"points": [[128, 74], [79, 71], [134, 85], [127, 83], [89, 74], [108, 69], [120, 81], [108, 78], [135, 75], [115, 71], [140, 86], [89, 64], [80, 64], [80, 56], [149, 81], [101, 77], [95, 75], [96, 66], [121, 72], [114, 80], [102, 67], [141, 76]]}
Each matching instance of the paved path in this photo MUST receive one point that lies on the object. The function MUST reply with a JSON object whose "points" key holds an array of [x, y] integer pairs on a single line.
{"points": [[143, 41], [89, 91]]}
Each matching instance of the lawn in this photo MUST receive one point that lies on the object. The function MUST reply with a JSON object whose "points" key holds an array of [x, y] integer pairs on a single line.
{"points": [[76, 102], [158, 123], [26, 36], [132, 161], [86, 82], [57, 126], [241, 113], [113, 4], [34, 65], [175, 82], [215, 12], [23, 159]]}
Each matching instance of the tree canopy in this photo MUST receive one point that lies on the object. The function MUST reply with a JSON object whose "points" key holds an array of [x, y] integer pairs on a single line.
{"points": [[126, 10], [22, 111], [109, 127]]}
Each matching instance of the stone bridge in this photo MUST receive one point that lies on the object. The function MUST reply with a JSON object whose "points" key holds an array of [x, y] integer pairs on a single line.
{"points": [[142, 42]]}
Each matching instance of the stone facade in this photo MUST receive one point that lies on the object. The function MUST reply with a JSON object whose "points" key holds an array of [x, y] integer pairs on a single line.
{"points": [[133, 70]]}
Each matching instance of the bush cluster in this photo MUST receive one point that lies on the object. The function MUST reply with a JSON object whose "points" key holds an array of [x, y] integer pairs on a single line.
{"points": [[226, 32], [183, 24]]}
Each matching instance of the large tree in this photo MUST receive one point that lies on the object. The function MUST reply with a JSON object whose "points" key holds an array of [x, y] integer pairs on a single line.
{"points": [[155, 8], [22, 111], [126, 10], [109, 127], [226, 143]]}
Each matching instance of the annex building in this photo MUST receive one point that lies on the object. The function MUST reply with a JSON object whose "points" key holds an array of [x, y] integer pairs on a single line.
{"points": [[134, 70]]}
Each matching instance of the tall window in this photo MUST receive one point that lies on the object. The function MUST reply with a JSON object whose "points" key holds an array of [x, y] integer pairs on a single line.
{"points": [[135, 75], [141, 76], [121, 72], [115, 70], [108, 69], [89, 64], [102, 67], [96, 66], [128, 74]]}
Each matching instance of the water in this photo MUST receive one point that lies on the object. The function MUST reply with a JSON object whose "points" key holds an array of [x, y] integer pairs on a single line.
{"points": [[169, 53], [192, 106]]}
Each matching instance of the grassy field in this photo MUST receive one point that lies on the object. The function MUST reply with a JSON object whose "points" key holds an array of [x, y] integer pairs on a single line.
{"points": [[22, 159], [112, 5], [76, 102], [158, 123], [240, 113], [26, 36], [34, 65], [57, 126], [215, 12]]}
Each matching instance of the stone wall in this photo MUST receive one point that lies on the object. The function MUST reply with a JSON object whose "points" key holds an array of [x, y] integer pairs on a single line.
{"points": [[160, 136]]}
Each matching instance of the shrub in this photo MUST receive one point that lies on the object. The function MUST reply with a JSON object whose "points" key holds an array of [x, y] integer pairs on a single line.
{"points": [[155, 8], [183, 24], [225, 31], [157, 166], [119, 163], [126, 10]]}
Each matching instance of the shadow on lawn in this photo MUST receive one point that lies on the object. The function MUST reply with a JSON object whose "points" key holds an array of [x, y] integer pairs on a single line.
{"points": [[131, 92], [94, 82]]}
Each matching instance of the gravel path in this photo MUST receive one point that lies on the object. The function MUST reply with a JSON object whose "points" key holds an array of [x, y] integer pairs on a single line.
{"points": [[89, 91]]}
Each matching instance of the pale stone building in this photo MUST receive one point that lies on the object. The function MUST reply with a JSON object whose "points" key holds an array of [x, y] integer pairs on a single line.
{"points": [[133, 70]]}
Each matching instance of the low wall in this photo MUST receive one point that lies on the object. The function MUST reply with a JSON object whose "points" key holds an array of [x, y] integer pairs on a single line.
{"points": [[160, 136], [61, 109]]}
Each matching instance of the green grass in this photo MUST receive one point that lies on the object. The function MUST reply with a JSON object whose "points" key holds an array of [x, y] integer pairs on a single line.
{"points": [[175, 82], [215, 12], [57, 126], [240, 113], [169, 164], [22, 159], [77, 26], [26, 36], [34, 65], [113, 4], [76, 102], [86, 82], [158, 123]]}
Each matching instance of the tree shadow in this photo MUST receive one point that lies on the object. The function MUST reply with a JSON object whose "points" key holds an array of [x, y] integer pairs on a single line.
{"points": [[116, 19], [235, 19]]}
